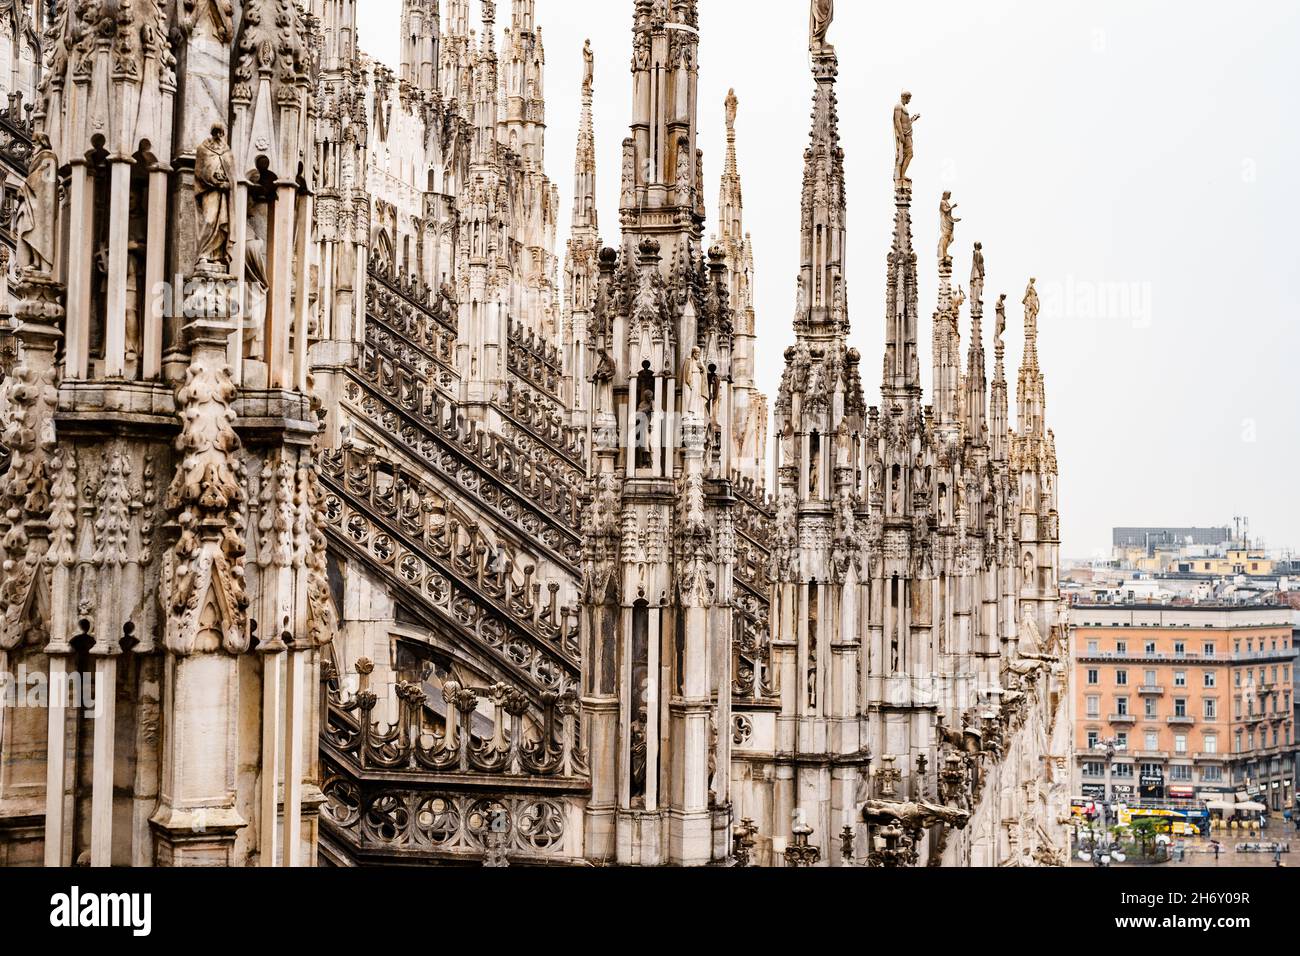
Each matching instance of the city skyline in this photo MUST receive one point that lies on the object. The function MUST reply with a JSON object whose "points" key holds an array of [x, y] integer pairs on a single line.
{"points": [[1139, 341]]}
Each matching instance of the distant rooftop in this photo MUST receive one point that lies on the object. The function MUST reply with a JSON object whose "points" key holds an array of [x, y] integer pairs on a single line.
{"points": [[1171, 537]]}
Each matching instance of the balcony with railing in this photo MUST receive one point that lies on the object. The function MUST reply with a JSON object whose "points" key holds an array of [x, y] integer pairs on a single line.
{"points": [[448, 782], [1185, 720]]}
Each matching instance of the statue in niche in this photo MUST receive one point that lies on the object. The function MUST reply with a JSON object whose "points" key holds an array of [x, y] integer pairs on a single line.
{"points": [[814, 465], [629, 173], [903, 121], [714, 393], [605, 369], [135, 254], [35, 220], [947, 225], [214, 174], [257, 280], [823, 12], [875, 481], [645, 416], [692, 384]]}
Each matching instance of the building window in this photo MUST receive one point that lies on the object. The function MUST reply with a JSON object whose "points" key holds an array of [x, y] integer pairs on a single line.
{"points": [[1094, 706], [1094, 769], [1149, 678], [1151, 647], [1121, 647], [1121, 678], [1210, 679], [1093, 648], [1180, 649], [1093, 737], [1209, 648], [1153, 742], [1211, 743], [1121, 706], [1180, 678], [1094, 677], [1237, 743], [1121, 741], [1152, 770], [1212, 774], [1180, 706], [1211, 709], [1123, 770], [1182, 773], [1149, 706], [1180, 744]]}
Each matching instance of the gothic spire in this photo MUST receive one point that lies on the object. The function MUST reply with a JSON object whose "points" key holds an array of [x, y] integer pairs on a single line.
{"points": [[731, 203], [1032, 392], [584, 164], [751, 407], [902, 377], [976, 372], [661, 163], [822, 310], [420, 36], [1000, 402], [731, 232]]}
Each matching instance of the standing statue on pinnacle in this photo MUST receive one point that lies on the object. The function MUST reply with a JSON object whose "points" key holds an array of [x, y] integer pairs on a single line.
{"points": [[823, 12], [1031, 303], [903, 121], [588, 68], [947, 226]]}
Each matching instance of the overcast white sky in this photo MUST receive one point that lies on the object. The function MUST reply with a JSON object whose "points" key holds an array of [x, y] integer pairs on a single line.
{"points": [[1137, 157]]}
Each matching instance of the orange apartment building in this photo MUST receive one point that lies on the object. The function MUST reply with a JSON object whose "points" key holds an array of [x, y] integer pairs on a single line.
{"points": [[1182, 705]]}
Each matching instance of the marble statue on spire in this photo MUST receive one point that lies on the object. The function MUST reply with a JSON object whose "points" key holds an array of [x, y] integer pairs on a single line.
{"points": [[589, 68], [823, 12], [1031, 303], [903, 121], [947, 225], [733, 105]]}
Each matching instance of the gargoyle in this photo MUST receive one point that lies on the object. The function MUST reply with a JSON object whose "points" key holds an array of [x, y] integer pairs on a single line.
{"points": [[913, 817]]}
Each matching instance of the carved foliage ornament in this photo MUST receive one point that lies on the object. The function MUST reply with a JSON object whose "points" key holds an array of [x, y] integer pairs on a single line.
{"points": [[203, 581]]}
